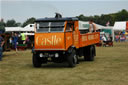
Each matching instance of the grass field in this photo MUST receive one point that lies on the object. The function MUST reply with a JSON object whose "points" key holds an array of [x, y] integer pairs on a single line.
{"points": [[109, 68]]}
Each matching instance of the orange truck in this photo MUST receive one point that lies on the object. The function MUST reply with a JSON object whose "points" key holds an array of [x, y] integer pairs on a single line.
{"points": [[63, 39]]}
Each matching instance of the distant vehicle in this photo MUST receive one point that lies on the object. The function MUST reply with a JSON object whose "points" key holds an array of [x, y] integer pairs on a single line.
{"points": [[63, 39]]}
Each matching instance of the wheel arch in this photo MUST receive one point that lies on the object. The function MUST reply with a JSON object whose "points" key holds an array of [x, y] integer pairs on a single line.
{"points": [[71, 48]]}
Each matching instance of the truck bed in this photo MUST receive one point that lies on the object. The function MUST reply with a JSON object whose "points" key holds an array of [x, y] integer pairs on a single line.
{"points": [[89, 39]]}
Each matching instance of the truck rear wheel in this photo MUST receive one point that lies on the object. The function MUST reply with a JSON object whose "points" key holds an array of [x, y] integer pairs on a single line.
{"points": [[36, 60], [89, 53], [72, 58]]}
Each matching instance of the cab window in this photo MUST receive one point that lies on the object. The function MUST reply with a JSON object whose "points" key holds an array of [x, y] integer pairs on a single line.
{"points": [[50, 26], [69, 27]]}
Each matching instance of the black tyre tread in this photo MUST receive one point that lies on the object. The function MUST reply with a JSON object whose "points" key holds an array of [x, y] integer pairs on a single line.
{"points": [[86, 53], [36, 61], [89, 53], [70, 59]]}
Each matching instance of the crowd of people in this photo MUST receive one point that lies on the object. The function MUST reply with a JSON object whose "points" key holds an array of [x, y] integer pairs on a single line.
{"points": [[121, 37], [1, 47], [14, 40], [18, 38]]}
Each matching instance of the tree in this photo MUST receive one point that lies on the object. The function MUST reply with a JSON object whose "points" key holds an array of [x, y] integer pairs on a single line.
{"points": [[12, 23], [19, 24], [104, 18], [29, 21], [121, 15], [2, 26]]}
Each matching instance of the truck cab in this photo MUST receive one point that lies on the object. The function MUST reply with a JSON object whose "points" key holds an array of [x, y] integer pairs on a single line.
{"points": [[59, 40], [55, 34]]}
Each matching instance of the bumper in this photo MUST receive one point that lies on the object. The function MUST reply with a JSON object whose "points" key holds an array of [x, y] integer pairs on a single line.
{"points": [[48, 53]]}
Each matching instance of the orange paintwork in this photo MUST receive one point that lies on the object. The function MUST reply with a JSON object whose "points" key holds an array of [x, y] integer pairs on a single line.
{"points": [[47, 41], [89, 39], [76, 35], [63, 40], [68, 39]]}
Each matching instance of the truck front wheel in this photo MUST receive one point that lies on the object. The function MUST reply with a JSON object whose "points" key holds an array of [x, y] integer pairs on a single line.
{"points": [[72, 58], [36, 60]]}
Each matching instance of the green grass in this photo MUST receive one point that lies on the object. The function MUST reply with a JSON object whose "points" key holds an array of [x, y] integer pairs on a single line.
{"points": [[109, 68]]}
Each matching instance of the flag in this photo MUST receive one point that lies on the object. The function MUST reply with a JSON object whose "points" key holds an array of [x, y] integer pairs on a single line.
{"points": [[108, 23]]}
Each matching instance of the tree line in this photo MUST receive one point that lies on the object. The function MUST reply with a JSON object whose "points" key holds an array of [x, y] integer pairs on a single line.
{"points": [[99, 19], [105, 18], [13, 23]]}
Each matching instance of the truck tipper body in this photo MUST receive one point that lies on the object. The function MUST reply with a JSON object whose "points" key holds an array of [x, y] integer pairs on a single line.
{"points": [[63, 39]]}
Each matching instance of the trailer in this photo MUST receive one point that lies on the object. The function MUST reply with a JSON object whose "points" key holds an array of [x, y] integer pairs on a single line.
{"points": [[63, 39]]}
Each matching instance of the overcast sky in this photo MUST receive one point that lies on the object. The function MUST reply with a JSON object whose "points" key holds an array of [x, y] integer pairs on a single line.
{"points": [[21, 10]]}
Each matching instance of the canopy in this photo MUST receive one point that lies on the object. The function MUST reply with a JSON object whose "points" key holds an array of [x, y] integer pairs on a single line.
{"points": [[28, 28], [120, 25], [85, 25]]}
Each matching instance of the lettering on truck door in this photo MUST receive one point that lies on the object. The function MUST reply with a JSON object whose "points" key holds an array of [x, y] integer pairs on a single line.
{"points": [[76, 35], [69, 35]]}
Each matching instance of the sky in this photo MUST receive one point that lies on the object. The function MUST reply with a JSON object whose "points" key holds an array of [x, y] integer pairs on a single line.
{"points": [[21, 10]]}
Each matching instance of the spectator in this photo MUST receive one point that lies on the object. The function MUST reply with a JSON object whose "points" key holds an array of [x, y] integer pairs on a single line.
{"points": [[104, 39], [19, 39], [69, 27], [110, 38], [122, 38], [23, 37], [92, 26], [27, 40], [126, 35], [117, 38], [1, 45], [15, 41]]}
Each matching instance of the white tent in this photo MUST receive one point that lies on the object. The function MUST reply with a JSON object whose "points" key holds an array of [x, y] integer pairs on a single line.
{"points": [[85, 25], [28, 33], [100, 26], [13, 29], [120, 25], [28, 28]]}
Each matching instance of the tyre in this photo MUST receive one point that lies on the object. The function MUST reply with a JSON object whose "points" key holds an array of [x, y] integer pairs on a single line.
{"points": [[36, 61], [72, 58], [89, 53], [94, 51], [86, 53]]}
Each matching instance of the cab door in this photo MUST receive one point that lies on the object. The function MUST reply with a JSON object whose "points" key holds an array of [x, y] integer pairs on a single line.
{"points": [[69, 34], [76, 34]]}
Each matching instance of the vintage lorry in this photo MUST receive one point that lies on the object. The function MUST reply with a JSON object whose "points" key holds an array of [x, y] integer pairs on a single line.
{"points": [[63, 39]]}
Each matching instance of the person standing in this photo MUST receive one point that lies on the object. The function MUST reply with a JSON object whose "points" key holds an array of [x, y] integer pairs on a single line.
{"points": [[92, 26], [23, 38], [104, 39], [27, 40], [117, 38], [15, 41], [1, 45]]}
